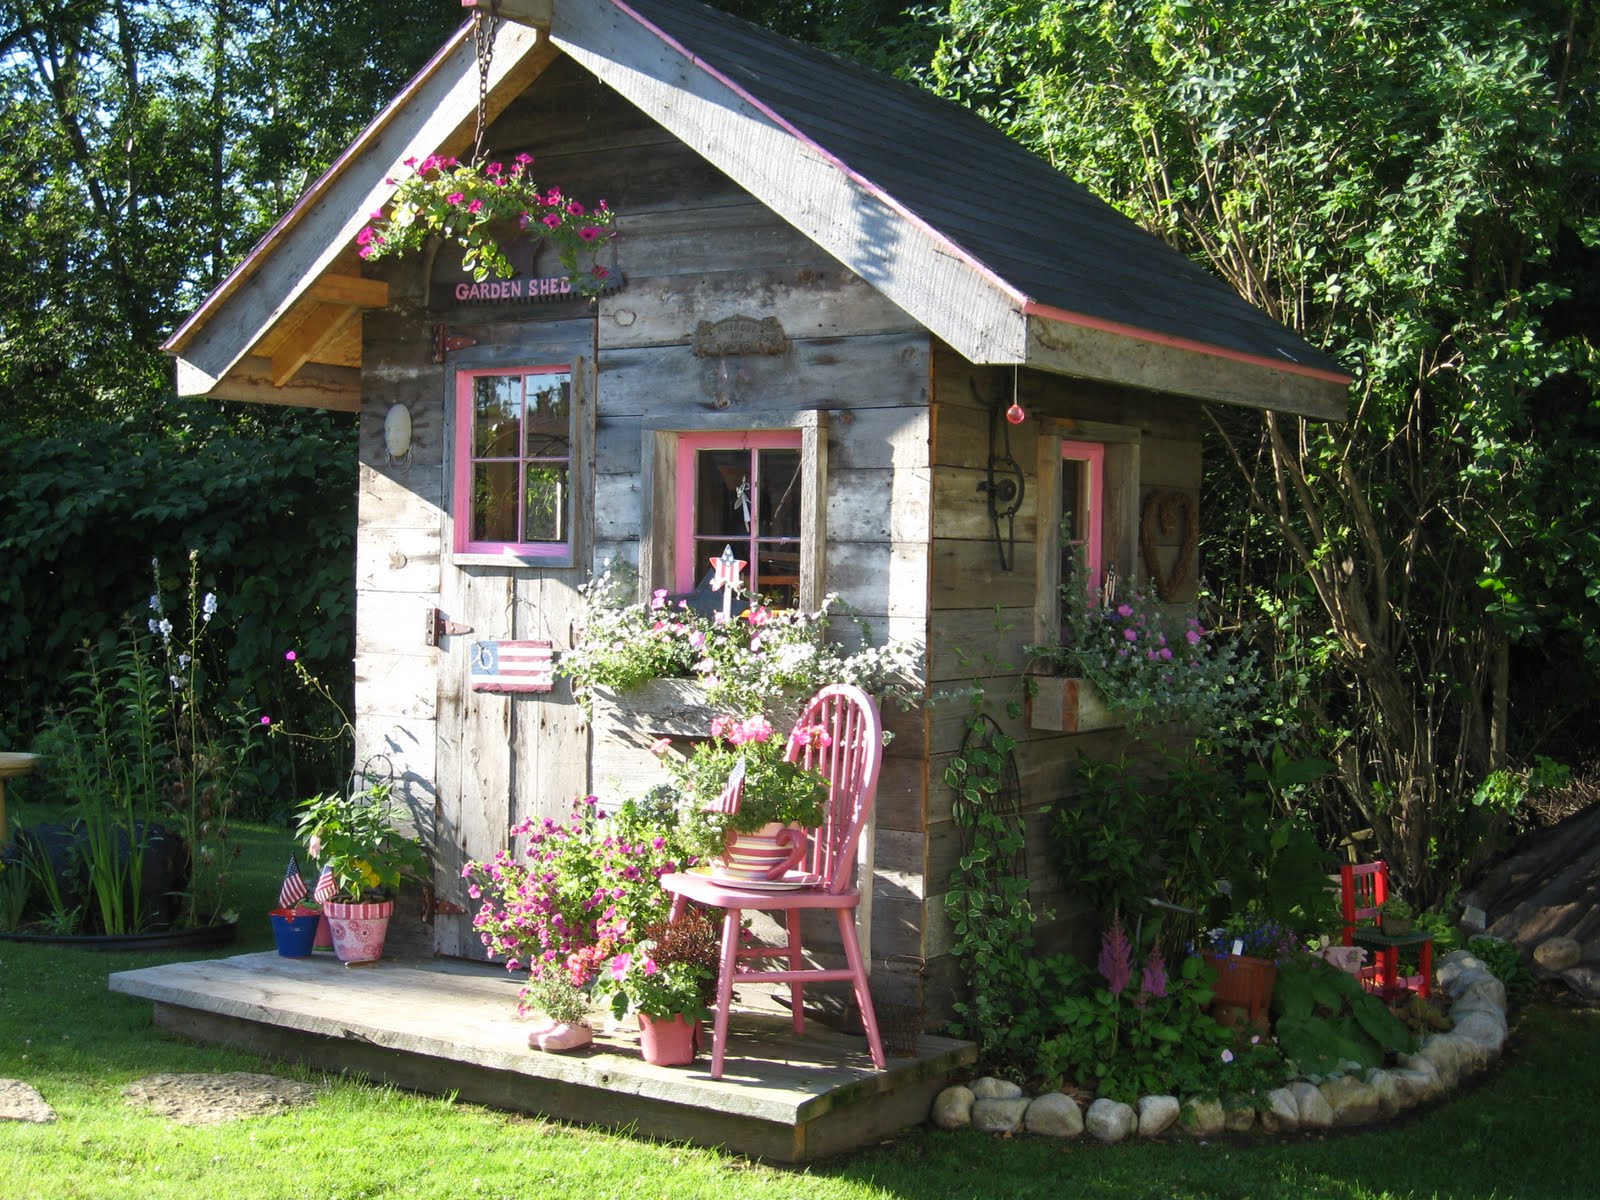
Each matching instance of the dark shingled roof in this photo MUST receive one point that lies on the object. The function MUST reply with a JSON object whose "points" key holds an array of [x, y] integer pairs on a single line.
{"points": [[1045, 235]]}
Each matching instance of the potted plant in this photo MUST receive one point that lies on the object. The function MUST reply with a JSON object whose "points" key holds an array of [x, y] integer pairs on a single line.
{"points": [[666, 981], [743, 806], [355, 836], [1245, 953], [1395, 916], [564, 1006]]}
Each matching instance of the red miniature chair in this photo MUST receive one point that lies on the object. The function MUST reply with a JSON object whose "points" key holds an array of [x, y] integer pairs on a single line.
{"points": [[1363, 888], [849, 758]]}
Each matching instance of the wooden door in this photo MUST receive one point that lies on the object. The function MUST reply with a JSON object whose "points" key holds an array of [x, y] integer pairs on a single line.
{"points": [[504, 757]]}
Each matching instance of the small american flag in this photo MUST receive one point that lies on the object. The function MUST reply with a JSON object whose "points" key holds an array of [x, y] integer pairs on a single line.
{"points": [[513, 666], [294, 887], [327, 888]]}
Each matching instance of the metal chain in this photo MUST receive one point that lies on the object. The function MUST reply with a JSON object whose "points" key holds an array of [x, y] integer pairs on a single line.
{"points": [[483, 30]]}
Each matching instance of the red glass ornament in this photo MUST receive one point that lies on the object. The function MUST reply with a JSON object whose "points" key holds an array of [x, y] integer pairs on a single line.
{"points": [[1015, 415]]}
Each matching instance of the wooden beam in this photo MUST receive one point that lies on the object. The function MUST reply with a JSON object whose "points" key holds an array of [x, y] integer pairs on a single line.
{"points": [[524, 12], [351, 289], [1090, 353], [319, 326], [313, 386]]}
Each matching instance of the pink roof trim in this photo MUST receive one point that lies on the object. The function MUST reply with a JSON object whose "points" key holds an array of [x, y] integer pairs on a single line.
{"points": [[240, 273]]}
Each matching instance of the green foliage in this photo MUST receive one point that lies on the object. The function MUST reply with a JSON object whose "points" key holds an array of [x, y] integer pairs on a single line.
{"points": [[1154, 668], [270, 509], [1504, 960], [1412, 188], [1325, 1020], [357, 835], [672, 972]]}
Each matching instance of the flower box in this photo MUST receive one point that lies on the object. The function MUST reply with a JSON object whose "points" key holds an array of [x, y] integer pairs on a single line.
{"points": [[1069, 704], [657, 708]]}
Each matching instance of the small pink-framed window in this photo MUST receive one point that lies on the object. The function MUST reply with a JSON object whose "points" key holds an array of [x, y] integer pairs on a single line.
{"points": [[513, 475], [742, 490], [1083, 489]]}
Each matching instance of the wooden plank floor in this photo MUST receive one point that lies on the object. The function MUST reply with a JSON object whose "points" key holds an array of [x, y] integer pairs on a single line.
{"points": [[439, 1026]]}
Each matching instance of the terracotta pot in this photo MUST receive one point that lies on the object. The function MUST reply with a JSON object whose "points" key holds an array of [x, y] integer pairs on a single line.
{"points": [[1243, 982], [668, 1041], [765, 854], [358, 929]]}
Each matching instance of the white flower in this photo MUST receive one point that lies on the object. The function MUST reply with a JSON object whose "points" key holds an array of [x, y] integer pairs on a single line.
{"points": [[176, 682], [155, 603], [183, 660], [208, 606], [164, 628]]}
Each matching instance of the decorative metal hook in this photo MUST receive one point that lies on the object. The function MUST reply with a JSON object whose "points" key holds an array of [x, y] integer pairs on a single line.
{"points": [[1004, 485]]}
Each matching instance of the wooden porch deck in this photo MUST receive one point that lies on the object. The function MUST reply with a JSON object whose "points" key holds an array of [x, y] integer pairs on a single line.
{"points": [[437, 1026]]}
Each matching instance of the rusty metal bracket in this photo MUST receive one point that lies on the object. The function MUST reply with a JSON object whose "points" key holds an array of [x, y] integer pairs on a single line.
{"points": [[444, 342], [438, 627], [433, 907]]}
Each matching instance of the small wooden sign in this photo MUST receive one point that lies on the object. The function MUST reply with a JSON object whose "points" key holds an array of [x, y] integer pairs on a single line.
{"points": [[513, 666]]}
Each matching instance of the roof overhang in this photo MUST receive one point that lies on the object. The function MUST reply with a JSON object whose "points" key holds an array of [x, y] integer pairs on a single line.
{"points": [[243, 342]]}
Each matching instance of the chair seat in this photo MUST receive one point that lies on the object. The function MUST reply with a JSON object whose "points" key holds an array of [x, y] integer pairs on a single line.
{"points": [[1373, 937], [703, 889]]}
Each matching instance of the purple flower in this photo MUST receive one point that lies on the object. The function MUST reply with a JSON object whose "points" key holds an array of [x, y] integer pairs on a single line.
{"points": [[1153, 980], [1116, 957]]}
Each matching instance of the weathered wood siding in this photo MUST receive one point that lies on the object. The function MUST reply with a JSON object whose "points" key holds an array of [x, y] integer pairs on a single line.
{"points": [[982, 615]]}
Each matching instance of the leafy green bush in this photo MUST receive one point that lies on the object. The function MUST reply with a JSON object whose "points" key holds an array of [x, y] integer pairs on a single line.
{"points": [[1504, 960], [1326, 1020]]}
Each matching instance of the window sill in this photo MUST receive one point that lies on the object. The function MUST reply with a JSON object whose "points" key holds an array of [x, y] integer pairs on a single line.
{"points": [[524, 561]]}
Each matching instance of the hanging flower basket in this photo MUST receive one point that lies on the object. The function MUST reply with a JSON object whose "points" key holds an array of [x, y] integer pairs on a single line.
{"points": [[1069, 704]]}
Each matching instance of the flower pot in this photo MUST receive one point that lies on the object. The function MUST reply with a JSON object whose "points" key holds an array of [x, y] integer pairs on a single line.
{"points": [[558, 1037], [1244, 982], [1394, 926], [294, 932], [763, 855], [1067, 704], [358, 929], [668, 1041]]}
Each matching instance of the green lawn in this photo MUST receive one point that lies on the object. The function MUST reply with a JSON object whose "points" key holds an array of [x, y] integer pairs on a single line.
{"points": [[1529, 1130]]}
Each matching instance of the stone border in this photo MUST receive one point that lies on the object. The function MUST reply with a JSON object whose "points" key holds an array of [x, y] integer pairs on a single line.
{"points": [[1442, 1060]]}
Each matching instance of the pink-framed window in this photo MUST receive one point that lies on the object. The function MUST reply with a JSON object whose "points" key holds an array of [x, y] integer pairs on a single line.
{"points": [[513, 474], [740, 489], [1083, 490]]}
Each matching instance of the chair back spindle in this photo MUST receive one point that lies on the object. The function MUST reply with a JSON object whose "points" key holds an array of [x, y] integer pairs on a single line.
{"points": [[840, 735]]}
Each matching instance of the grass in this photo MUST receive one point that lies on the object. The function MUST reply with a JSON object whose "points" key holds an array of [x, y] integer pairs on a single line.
{"points": [[1526, 1131]]}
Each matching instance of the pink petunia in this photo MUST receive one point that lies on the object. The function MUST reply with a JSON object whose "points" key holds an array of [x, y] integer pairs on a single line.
{"points": [[575, 208], [1131, 635], [475, 207], [454, 198], [290, 655], [552, 220], [588, 233]]}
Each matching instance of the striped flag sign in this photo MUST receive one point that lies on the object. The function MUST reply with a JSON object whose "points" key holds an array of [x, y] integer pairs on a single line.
{"points": [[294, 887], [327, 887], [513, 666]]}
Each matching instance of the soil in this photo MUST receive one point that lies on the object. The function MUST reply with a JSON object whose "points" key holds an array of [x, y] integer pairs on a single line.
{"points": [[213, 1099]]}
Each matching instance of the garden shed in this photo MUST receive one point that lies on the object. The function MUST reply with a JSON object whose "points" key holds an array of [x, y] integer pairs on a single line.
{"points": [[820, 273]]}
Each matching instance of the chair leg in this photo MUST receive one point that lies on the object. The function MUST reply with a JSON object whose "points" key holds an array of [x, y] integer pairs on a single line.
{"points": [[797, 1002], [730, 961], [680, 904], [852, 955], [1426, 989]]}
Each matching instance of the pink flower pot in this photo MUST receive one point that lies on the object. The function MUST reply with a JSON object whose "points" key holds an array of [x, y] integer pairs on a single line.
{"points": [[358, 929], [765, 854], [668, 1041]]}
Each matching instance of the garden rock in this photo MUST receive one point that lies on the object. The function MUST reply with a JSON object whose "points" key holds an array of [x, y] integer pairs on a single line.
{"points": [[999, 1116], [1280, 1112], [1055, 1114], [1486, 1030], [1415, 1066], [1238, 1118], [1110, 1121], [1485, 995], [22, 1102], [1311, 1106], [213, 1099], [1352, 1101], [1387, 1090], [1558, 953], [952, 1108], [1458, 969], [990, 1088], [1157, 1114], [1203, 1116], [1450, 1055]]}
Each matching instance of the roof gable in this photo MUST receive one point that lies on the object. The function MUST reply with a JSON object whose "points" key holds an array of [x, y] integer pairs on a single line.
{"points": [[896, 183]]}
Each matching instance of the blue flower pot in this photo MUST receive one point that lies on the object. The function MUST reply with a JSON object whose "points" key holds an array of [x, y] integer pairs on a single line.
{"points": [[295, 934]]}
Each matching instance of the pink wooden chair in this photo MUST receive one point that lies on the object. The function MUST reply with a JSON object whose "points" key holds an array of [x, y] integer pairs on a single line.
{"points": [[1363, 887], [850, 763]]}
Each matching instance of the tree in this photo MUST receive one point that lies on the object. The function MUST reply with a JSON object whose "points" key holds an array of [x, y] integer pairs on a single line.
{"points": [[1414, 188]]}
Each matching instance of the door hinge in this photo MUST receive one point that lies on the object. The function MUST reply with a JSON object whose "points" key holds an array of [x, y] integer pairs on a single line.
{"points": [[438, 627]]}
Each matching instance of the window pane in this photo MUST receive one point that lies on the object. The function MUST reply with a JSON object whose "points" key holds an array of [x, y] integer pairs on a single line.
{"points": [[547, 423], [1073, 477], [494, 502], [546, 517], [497, 415], [778, 574], [721, 487], [780, 493], [705, 549]]}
